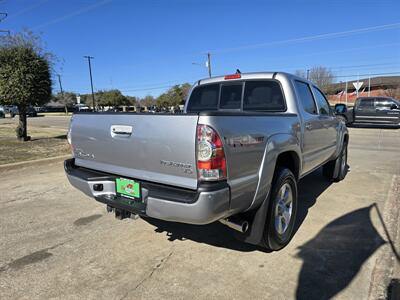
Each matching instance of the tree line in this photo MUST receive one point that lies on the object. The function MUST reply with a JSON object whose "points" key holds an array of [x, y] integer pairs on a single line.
{"points": [[175, 96]]}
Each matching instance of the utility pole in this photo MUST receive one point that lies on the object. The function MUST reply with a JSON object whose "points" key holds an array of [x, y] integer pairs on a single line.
{"points": [[308, 74], [209, 64], [91, 80], [369, 86], [346, 91], [62, 94]]}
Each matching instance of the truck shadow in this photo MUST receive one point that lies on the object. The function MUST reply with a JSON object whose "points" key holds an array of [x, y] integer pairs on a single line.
{"points": [[336, 254], [219, 235], [215, 234]]}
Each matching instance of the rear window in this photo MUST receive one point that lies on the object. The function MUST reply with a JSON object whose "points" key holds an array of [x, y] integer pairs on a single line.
{"points": [[204, 98], [263, 96], [231, 96], [258, 95]]}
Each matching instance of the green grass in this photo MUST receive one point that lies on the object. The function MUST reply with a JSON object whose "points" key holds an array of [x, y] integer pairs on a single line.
{"points": [[45, 142]]}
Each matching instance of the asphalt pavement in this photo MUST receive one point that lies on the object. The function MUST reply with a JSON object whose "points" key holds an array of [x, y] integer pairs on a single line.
{"points": [[56, 242]]}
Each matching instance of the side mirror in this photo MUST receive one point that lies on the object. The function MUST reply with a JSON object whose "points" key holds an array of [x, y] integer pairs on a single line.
{"points": [[340, 108], [393, 106]]}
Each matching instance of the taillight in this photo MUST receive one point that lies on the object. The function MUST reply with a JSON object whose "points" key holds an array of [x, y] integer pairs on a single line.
{"points": [[211, 163]]}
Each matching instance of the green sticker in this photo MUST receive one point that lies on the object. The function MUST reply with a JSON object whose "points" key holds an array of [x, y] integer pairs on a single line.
{"points": [[128, 187]]}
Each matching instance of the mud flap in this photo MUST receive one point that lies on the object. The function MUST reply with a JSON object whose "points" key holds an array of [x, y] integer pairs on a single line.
{"points": [[255, 234], [336, 170]]}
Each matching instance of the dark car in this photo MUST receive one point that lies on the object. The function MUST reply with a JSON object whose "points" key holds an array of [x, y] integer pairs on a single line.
{"points": [[377, 111], [30, 112]]}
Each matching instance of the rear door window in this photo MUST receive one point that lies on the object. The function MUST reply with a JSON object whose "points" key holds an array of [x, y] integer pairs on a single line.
{"points": [[366, 103], [263, 95], [204, 98], [306, 97], [231, 96]]}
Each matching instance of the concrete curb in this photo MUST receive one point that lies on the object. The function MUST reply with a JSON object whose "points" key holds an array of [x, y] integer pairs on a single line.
{"points": [[29, 163]]}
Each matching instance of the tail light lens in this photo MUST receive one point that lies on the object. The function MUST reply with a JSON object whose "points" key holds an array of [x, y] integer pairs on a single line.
{"points": [[211, 163]]}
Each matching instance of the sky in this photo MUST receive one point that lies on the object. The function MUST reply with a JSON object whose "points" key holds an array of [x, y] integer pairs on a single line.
{"points": [[144, 47]]}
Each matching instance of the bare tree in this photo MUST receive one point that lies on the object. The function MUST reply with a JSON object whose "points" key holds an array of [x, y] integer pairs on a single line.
{"points": [[300, 73], [393, 93], [322, 77]]}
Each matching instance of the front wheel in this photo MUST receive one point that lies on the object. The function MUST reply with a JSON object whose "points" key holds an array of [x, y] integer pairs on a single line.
{"points": [[281, 215]]}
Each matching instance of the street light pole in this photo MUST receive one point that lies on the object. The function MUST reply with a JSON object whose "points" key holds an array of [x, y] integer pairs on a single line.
{"points": [[91, 80], [62, 93]]}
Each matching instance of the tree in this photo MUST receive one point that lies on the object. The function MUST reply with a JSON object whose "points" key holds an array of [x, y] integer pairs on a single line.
{"points": [[68, 99], [321, 76], [392, 93], [111, 98], [174, 96], [148, 101], [25, 77], [300, 73]]}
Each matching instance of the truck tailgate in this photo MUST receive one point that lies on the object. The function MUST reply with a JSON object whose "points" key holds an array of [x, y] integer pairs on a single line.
{"points": [[158, 148]]}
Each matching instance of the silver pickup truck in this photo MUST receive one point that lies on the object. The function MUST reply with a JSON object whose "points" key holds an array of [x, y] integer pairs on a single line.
{"points": [[235, 155]]}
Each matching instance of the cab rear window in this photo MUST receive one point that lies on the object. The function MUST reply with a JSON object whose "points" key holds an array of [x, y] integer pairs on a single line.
{"points": [[258, 95]]}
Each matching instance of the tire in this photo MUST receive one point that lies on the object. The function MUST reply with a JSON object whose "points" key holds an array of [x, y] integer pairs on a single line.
{"points": [[281, 215], [341, 162]]}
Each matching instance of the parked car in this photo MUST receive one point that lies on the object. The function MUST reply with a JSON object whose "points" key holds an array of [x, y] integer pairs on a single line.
{"points": [[31, 112], [2, 112], [235, 155]]}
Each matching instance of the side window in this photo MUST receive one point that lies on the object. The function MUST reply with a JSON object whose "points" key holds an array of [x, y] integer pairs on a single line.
{"points": [[306, 97], [204, 98], [231, 96], [366, 103], [322, 102], [263, 95], [384, 103]]}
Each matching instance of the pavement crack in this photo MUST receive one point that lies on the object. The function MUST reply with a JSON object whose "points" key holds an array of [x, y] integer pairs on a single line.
{"points": [[148, 276]]}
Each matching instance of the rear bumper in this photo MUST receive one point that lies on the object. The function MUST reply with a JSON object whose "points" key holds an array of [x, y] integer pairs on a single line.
{"points": [[206, 205]]}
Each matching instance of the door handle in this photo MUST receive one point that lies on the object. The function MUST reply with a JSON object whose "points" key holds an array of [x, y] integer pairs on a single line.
{"points": [[308, 126], [122, 130]]}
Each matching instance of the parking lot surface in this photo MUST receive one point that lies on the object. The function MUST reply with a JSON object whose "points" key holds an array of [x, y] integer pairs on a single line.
{"points": [[56, 242]]}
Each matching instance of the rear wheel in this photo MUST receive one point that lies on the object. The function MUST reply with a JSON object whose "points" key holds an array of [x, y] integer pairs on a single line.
{"points": [[281, 215], [340, 162]]}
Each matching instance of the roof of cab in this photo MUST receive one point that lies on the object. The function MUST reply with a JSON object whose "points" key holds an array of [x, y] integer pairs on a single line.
{"points": [[247, 76]]}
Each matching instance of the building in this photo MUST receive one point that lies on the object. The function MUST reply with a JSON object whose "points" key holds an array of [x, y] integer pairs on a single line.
{"points": [[388, 86]]}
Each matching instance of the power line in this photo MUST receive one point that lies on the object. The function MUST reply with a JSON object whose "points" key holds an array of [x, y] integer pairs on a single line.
{"points": [[27, 9], [73, 14], [170, 86], [312, 38]]}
